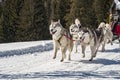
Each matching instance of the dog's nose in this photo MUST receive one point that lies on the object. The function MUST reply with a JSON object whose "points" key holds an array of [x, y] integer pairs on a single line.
{"points": [[80, 37], [51, 30]]}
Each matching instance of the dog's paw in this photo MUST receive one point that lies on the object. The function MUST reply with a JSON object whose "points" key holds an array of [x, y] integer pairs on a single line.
{"points": [[94, 55], [91, 59], [76, 51], [103, 50], [111, 43], [69, 59], [61, 60], [83, 56], [54, 57]]}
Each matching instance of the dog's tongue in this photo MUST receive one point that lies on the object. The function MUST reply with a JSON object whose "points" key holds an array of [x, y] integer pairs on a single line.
{"points": [[51, 33]]}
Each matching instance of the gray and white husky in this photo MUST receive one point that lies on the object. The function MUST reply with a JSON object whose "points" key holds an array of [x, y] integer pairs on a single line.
{"points": [[108, 35], [92, 38], [61, 38], [74, 29]]}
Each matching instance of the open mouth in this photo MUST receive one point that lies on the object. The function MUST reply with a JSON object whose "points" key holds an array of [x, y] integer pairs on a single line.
{"points": [[53, 32], [82, 39]]}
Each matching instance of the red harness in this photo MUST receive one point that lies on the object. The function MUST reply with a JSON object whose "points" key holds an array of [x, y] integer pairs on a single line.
{"points": [[66, 37]]}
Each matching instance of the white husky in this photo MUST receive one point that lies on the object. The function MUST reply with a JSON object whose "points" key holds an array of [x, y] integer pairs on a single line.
{"points": [[61, 39], [74, 29]]}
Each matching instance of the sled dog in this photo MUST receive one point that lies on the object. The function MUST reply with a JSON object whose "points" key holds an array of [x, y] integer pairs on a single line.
{"points": [[92, 38], [74, 29], [108, 35], [61, 38]]}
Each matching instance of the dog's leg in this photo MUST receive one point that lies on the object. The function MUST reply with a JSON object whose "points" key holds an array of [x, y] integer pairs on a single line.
{"points": [[83, 50], [55, 49], [76, 44], [70, 48], [103, 46], [93, 52], [55, 52], [63, 49], [69, 57], [111, 42], [111, 38]]}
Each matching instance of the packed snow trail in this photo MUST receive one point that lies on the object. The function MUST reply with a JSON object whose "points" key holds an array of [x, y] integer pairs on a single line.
{"points": [[37, 64]]}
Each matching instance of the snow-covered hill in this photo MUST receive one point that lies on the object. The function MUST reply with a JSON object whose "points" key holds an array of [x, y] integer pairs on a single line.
{"points": [[33, 61]]}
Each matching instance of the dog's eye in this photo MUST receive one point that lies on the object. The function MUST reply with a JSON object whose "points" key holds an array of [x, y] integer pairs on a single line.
{"points": [[72, 30], [54, 26]]}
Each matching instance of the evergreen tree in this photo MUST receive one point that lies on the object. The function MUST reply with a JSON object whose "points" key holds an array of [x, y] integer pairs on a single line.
{"points": [[48, 10], [8, 20], [40, 21], [1, 30], [25, 29], [83, 11], [74, 12], [64, 10], [24, 20], [101, 8]]}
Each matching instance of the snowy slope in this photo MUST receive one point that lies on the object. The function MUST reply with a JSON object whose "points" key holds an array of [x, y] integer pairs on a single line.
{"points": [[33, 61]]}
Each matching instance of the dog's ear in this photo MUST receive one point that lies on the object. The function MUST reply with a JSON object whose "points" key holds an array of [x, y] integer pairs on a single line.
{"points": [[51, 21], [59, 20]]}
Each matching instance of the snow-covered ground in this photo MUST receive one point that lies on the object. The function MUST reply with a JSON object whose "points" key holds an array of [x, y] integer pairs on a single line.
{"points": [[33, 61]]}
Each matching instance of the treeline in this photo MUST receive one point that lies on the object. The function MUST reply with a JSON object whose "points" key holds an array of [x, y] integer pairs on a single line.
{"points": [[28, 20]]}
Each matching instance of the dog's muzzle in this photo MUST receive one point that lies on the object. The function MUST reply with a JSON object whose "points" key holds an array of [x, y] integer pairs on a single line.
{"points": [[52, 32], [82, 39]]}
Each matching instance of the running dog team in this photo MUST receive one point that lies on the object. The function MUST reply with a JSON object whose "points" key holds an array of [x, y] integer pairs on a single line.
{"points": [[64, 39]]}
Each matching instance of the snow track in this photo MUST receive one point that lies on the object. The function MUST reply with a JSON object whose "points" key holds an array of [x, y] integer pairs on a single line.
{"points": [[34, 62]]}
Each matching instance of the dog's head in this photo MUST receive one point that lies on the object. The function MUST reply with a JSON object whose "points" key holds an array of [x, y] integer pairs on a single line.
{"points": [[84, 36], [102, 25], [55, 27], [74, 29], [102, 28]]}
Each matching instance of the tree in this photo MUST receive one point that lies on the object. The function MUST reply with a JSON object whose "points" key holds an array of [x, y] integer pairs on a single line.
{"points": [[83, 11], [26, 20], [9, 20], [1, 29], [101, 8], [41, 28], [24, 30]]}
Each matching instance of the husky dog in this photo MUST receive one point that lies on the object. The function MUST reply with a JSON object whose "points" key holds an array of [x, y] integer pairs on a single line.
{"points": [[61, 38], [74, 29], [92, 38], [108, 35]]}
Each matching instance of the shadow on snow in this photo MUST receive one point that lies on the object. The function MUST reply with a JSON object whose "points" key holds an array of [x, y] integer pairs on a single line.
{"points": [[30, 50], [102, 61], [63, 74], [116, 50]]}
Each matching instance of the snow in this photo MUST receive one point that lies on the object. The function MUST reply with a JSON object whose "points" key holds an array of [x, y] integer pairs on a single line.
{"points": [[33, 61]]}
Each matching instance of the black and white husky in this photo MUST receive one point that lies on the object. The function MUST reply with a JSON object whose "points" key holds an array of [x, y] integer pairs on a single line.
{"points": [[92, 38], [61, 38], [74, 29]]}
